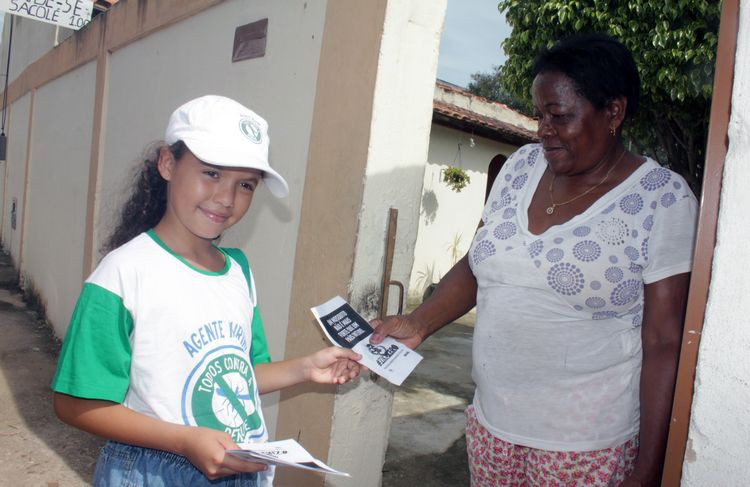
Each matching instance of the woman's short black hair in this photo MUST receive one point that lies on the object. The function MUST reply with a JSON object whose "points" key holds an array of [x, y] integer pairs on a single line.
{"points": [[602, 68]]}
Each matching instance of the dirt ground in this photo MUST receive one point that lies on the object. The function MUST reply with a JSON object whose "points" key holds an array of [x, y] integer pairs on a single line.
{"points": [[426, 445], [37, 449]]}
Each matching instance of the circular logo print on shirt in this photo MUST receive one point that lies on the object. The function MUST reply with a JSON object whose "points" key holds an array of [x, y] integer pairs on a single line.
{"points": [[565, 278], [656, 178], [220, 394], [613, 231], [532, 156], [251, 129], [535, 248], [483, 250]]}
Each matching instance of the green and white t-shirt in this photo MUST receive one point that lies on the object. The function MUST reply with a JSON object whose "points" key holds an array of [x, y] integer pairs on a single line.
{"points": [[168, 340]]}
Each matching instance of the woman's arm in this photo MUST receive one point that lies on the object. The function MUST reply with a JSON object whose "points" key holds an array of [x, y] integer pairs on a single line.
{"points": [[663, 317], [454, 297], [332, 365], [204, 447]]}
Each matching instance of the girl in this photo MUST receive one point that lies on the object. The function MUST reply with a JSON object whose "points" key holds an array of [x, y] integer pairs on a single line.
{"points": [[165, 354]]}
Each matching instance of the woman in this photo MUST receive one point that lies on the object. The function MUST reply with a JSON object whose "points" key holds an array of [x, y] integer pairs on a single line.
{"points": [[579, 272]]}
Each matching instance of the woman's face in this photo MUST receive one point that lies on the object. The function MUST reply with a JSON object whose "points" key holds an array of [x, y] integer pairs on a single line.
{"points": [[575, 135]]}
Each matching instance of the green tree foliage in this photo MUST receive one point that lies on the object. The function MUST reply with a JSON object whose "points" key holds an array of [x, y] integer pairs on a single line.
{"points": [[490, 85], [674, 45]]}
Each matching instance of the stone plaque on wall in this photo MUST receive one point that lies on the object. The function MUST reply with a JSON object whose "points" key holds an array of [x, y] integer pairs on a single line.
{"points": [[250, 41]]}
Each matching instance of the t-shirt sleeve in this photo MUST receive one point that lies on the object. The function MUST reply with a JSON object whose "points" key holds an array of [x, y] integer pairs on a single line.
{"points": [[669, 247], [258, 347], [95, 359], [496, 196]]}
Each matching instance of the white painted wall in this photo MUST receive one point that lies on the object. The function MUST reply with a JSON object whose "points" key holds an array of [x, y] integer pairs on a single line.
{"points": [[17, 129], [402, 111], [446, 216], [14, 169], [719, 437], [154, 75], [55, 223], [3, 167], [31, 40]]}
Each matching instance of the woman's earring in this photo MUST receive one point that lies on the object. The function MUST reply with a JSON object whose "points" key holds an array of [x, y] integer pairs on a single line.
{"points": [[612, 131]]}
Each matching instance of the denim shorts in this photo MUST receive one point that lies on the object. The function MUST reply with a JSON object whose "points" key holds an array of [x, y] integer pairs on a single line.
{"points": [[122, 465]]}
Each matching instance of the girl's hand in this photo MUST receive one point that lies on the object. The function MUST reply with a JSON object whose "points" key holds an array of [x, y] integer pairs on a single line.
{"points": [[206, 449], [332, 365]]}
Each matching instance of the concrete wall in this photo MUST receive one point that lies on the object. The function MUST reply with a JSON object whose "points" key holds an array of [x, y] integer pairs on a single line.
{"points": [[31, 40], [400, 131], [369, 138], [141, 79], [55, 219], [14, 169], [719, 437], [347, 90], [447, 219]]}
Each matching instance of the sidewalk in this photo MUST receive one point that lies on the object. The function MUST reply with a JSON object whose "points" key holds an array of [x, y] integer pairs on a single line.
{"points": [[37, 449]]}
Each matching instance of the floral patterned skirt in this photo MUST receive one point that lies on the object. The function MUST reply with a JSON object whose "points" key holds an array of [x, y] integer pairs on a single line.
{"points": [[494, 462]]}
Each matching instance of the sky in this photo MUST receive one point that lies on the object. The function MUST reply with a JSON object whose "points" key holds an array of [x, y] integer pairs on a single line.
{"points": [[471, 40]]}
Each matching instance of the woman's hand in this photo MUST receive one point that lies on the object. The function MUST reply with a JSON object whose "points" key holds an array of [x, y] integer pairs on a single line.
{"points": [[401, 327], [332, 365], [206, 449], [454, 296]]}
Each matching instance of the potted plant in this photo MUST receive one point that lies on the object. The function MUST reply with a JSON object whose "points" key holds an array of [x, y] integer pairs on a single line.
{"points": [[456, 178]]}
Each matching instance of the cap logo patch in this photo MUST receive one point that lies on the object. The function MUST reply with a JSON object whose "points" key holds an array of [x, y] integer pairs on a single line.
{"points": [[251, 130]]}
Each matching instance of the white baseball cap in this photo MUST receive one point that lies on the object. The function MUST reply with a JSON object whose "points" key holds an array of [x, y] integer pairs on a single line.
{"points": [[220, 131]]}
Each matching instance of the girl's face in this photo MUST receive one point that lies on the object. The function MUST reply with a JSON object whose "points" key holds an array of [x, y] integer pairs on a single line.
{"points": [[204, 200], [575, 135]]}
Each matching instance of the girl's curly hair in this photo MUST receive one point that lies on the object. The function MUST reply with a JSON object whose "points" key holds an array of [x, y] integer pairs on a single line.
{"points": [[147, 202]]}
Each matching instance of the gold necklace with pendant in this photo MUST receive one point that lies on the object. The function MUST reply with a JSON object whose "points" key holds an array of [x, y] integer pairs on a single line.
{"points": [[551, 209]]}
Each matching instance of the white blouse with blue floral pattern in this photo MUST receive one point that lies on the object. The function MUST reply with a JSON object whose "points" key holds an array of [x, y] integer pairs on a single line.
{"points": [[557, 343]]}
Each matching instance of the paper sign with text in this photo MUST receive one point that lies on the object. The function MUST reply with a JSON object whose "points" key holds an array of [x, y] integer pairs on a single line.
{"points": [[71, 14], [346, 328]]}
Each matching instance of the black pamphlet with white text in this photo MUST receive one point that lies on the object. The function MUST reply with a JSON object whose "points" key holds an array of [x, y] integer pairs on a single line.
{"points": [[348, 329]]}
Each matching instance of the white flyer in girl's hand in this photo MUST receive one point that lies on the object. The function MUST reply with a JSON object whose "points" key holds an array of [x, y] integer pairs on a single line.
{"points": [[286, 453], [345, 328]]}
